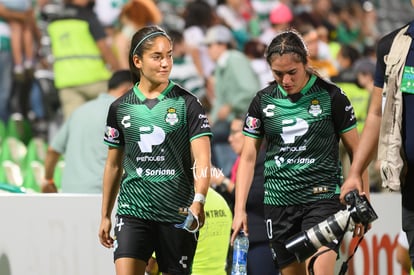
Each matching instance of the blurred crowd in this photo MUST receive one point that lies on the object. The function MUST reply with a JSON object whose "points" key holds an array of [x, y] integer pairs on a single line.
{"points": [[38, 93]]}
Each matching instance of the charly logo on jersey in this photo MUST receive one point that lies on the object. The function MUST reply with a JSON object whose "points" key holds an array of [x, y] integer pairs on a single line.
{"points": [[315, 108], [269, 110], [171, 117], [150, 136], [126, 121]]}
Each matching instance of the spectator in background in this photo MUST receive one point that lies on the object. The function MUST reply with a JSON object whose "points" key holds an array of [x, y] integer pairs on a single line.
{"points": [[236, 14], [212, 259], [198, 17], [209, 259], [83, 59], [280, 18], [359, 97], [349, 27], [259, 257], [365, 71], [108, 14], [24, 43], [369, 25], [262, 9], [254, 50], [319, 54], [22, 36], [6, 59], [317, 13], [234, 78], [79, 140], [346, 58], [134, 15], [184, 71], [235, 84]]}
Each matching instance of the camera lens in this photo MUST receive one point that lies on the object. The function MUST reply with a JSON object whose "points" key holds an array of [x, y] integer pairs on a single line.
{"points": [[301, 246], [306, 243]]}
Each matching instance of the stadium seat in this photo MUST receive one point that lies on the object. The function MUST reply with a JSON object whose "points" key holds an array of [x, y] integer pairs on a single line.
{"points": [[13, 174], [19, 127], [3, 132], [36, 150], [13, 149], [34, 175]]}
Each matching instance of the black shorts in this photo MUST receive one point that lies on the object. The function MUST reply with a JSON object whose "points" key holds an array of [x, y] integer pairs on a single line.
{"points": [[174, 248], [284, 222]]}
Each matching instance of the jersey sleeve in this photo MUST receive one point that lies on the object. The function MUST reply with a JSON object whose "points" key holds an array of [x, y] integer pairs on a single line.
{"points": [[343, 112], [253, 123], [113, 134], [198, 124]]}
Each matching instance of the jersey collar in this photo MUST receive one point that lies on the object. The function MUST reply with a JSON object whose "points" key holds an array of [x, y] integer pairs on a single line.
{"points": [[304, 90], [141, 96]]}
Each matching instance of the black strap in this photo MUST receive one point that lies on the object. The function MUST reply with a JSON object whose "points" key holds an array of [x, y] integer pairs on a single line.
{"points": [[344, 266]]}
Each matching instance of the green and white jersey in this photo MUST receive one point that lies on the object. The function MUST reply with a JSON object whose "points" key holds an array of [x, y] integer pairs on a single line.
{"points": [[302, 133], [156, 135]]}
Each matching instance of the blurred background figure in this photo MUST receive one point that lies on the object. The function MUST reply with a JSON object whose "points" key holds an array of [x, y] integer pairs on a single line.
{"points": [[212, 259], [235, 84], [184, 71], [365, 71], [198, 16], [108, 14], [23, 34], [25, 38], [134, 15], [280, 18], [81, 69], [236, 14], [79, 141], [259, 257], [254, 49], [319, 55], [6, 59], [262, 9], [345, 60], [209, 259]]}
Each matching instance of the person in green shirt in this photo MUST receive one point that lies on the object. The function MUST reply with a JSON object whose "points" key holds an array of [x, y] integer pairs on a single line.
{"points": [[302, 117], [158, 163]]}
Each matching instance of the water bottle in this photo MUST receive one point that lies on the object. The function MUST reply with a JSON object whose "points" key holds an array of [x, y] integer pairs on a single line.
{"points": [[240, 248]]}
